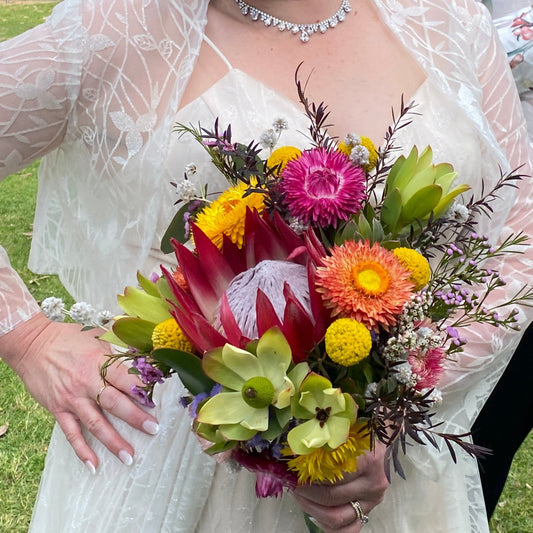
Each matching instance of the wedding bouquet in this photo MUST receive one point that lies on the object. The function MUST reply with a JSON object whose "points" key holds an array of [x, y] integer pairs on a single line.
{"points": [[317, 300]]}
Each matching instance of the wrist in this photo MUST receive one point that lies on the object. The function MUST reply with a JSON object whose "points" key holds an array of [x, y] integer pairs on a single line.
{"points": [[16, 344]]}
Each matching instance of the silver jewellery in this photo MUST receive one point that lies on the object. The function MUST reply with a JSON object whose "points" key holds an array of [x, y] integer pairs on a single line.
{"points": [[359, 512], [305, 30]]}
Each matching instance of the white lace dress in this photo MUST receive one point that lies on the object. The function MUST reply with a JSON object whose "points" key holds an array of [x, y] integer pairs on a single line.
{"points": [[106, 185]]}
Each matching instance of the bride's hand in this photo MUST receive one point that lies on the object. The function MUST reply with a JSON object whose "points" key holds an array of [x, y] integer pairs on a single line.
{"points": [[331, 505], [60, 366]]}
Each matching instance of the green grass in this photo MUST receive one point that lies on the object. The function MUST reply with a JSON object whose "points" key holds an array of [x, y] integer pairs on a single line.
{"points": [[23, 446], [15, 19]]}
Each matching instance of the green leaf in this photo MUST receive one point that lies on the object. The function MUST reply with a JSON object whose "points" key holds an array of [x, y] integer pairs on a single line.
{"points": [[419, 181], [447, 200], [445, 176], [403, 169], [110, 337], [348, 233], [236, 432], [135, 332], [188, 367], [138, 303], [164, 290], [220, 447], [425, 158], [378, 234], [421, 204], [147, 285], [176, 229], [391, 209], [364, 228]]}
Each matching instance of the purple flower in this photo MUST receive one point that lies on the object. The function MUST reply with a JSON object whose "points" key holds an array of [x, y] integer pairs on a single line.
{"points": [[149, 373], [141, 395]]}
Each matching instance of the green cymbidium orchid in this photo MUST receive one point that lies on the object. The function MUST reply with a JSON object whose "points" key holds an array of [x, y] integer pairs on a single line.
{"points": [[415, 188], [252, 383], [329, 413]]}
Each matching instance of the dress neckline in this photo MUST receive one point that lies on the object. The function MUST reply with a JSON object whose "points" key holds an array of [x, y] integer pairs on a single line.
{"points": [[236, 72]]}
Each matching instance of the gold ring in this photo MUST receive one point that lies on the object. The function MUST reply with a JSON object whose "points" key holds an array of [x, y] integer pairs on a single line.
{"points": [[359, 514], [99, 394]]}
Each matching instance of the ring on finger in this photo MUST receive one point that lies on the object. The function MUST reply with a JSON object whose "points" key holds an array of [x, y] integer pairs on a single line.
{"points": [[102, 388], [359, 514]]}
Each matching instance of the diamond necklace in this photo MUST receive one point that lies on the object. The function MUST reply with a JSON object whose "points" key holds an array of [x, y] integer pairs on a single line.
{"points": [[305, 30]]}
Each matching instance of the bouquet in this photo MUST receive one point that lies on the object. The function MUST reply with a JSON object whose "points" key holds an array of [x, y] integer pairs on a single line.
{"points": [[315, 301]]}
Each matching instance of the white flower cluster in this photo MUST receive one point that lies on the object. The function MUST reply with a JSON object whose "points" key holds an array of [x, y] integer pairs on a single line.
{"points": [[80, 312], [359, 154], [54, 309], [398, 346], [459, 212], [404, 374], [186, 190], [415, 310], [269, 138]]}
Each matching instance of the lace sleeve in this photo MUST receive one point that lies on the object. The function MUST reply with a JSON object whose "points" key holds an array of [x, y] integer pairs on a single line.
{"points": [[488, 348], [39, 78]]}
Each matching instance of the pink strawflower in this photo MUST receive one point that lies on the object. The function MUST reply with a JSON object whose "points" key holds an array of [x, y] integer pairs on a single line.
{"points": [[428, 365], [322, 187]]}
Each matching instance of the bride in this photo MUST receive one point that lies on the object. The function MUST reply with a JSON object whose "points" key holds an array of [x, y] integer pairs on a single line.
{"points": [[96, 91]]}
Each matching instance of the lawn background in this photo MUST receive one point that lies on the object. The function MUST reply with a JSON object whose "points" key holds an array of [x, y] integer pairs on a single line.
{"points": [[25, 427]]}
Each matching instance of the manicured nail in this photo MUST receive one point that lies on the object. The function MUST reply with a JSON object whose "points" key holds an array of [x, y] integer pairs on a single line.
{"points": [[125, 457], [151, 427], [90, 467]]}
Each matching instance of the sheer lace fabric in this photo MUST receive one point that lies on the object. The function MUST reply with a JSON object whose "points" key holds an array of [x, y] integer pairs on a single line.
{"points": [[107, 105]]}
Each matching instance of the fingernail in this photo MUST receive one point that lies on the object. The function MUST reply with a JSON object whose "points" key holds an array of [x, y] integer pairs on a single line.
{"points": [[90, 467], [125, 457], [151, 427]]}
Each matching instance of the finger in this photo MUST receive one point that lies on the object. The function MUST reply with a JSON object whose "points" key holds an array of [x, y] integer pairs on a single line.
{"points": [[117, 374], [118, 404], [72, 429], [93, 419], [340, 519]]}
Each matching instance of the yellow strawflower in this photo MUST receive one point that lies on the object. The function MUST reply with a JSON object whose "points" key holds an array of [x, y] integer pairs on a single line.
{"points": [[281, 156], [416, 264], [168, 334], [324, 464], [226, 215], [347, 341]]}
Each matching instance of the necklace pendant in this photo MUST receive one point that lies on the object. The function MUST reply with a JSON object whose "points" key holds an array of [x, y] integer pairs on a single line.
{"points": [[304, 37]]}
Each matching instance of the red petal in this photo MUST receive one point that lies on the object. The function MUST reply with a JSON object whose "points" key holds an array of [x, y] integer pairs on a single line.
{"points": [[266, 315], [297, 326], [231, 328], [197, 280], [219, 271], [198, 330]]}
